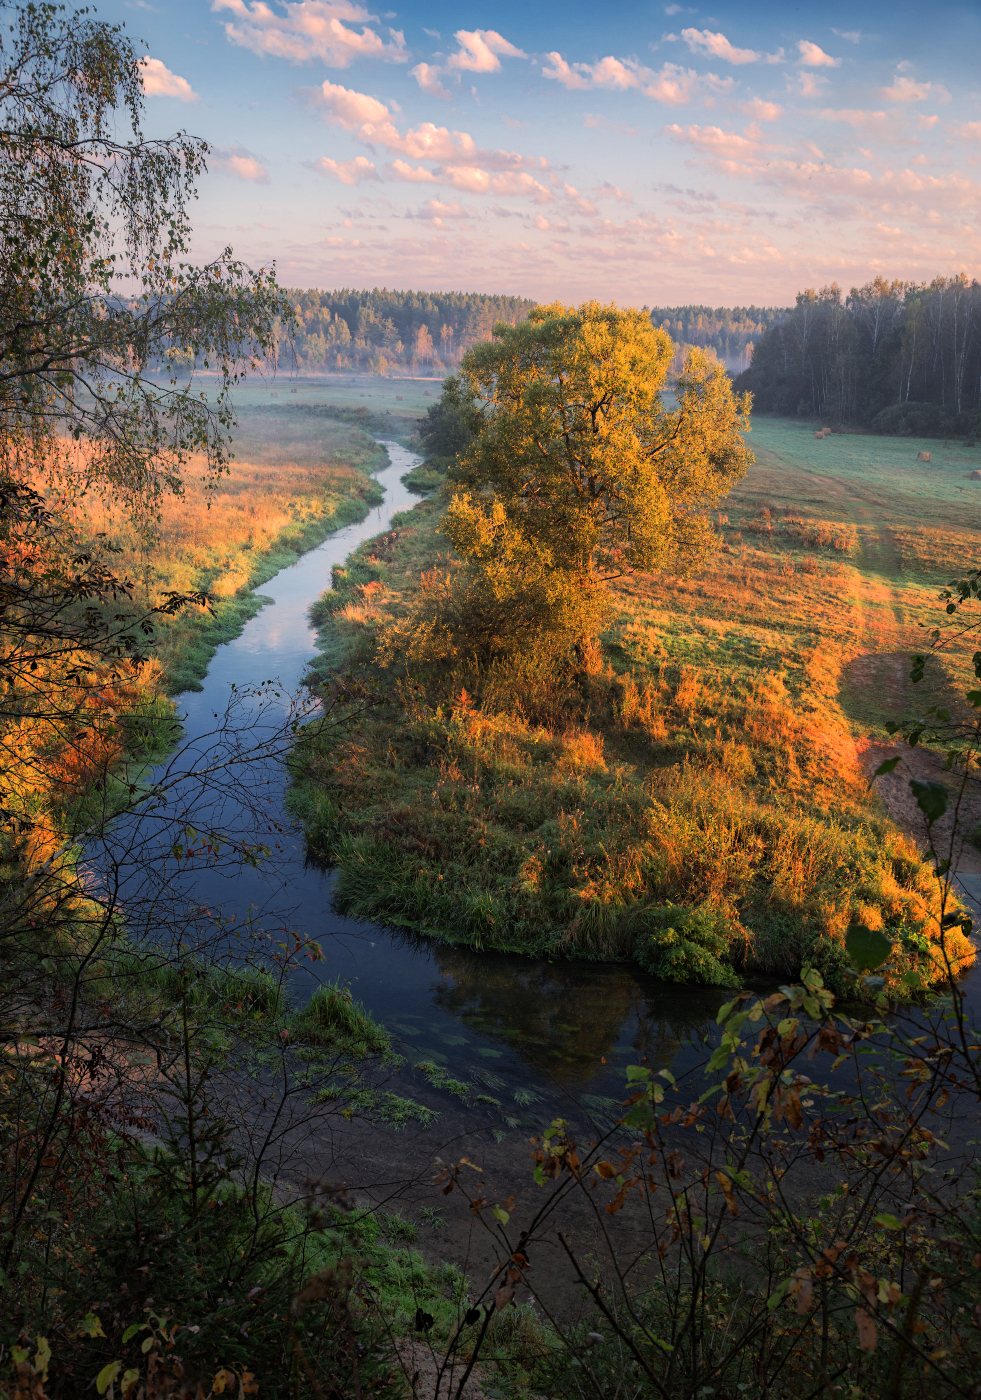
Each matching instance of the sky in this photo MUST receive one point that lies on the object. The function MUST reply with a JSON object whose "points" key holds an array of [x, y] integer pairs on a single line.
{"points": [[636, 153]]}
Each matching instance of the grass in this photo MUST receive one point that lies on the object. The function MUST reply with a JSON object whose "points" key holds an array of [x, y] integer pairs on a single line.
{"points": [[697, 801]]}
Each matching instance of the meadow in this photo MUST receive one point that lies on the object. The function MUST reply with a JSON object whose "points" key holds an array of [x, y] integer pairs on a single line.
{"points": [[304, 452], [697, 799]]}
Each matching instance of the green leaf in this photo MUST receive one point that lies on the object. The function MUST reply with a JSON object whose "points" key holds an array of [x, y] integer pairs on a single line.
{"points": [[867, 948], [888, 766], [500, 1214], [724, 1011], [132, 1330], [889, 1222], [931, 798], [107, 1375]]}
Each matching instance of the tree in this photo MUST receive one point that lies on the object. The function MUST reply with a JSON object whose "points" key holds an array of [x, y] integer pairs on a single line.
{"points": [[94, 292], [578, 473]]}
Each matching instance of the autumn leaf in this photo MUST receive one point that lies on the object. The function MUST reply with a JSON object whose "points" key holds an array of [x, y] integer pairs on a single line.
{"points": [[867, 1335]]}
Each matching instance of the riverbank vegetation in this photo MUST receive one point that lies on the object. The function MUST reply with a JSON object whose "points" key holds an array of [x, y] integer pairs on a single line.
{"points": [[694, 795]]}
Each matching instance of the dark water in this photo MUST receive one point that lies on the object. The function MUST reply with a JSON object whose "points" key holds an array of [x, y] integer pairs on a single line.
{"points": [[547, 1030]]}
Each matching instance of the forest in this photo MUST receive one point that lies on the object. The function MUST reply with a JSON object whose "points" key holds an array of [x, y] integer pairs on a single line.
{"points": [[731, 332], [898, 357], [383, 330]]}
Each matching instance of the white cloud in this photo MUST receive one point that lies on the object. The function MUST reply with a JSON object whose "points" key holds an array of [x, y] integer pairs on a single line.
{"points": [[608, 191], [349, 172], [479, 50], [351, 109], [563, 73], [761, 111], [717, 46], [460, 162], [810, 84], [159, 81], [907, 90], [671, 85], [411, 174], [439, 209], [852, 35], [310, 29], [813, 56], [967, 131], [239, 162], [428, 79], [714, 141], [858, 118]]}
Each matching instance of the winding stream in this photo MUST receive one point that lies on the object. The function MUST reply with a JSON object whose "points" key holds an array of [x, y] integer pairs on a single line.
{"points": [[545, 1032]]}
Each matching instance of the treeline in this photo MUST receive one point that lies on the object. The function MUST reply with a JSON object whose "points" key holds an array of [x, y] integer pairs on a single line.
{"points": [[899, 357], [380, 330], [730, 331]]}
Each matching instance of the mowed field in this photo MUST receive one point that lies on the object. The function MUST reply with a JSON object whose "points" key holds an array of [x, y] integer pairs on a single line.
{"points": [[834, 551]]}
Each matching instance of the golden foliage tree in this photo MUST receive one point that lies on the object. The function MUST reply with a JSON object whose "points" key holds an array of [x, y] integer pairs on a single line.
{"points": [[578, 473]]}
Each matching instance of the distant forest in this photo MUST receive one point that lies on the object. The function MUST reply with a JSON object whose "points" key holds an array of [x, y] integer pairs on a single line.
{"points": [[381, 330], [899, 357], [731, 332], [427, 332]]}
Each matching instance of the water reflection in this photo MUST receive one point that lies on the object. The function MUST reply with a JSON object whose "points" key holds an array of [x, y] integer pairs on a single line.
{"points": [[578, 1021]]}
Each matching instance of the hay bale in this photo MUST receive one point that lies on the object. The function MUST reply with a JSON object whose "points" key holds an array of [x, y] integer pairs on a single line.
{"points": [[923, 457], [975, 476], [819, 434]]}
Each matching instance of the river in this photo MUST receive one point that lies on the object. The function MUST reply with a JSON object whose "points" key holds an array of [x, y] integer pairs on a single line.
{"points": [[534, 1032]]}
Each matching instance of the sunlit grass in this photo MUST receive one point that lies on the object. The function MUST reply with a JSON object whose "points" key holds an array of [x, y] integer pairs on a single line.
{"points": [[711, 759]]}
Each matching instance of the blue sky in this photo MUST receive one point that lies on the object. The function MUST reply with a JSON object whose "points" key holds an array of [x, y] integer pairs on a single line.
{"points": [[637, 153]]}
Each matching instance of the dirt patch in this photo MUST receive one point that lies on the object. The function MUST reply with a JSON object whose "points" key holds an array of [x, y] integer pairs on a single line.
{"points": [[951, 832]]}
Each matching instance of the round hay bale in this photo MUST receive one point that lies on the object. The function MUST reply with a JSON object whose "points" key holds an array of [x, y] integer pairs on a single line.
{"points": [[975, 476], [819, 433], [924, 457]]}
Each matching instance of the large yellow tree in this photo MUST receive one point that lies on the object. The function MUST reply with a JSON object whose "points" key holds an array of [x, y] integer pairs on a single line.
{"points": [[578, 472]]}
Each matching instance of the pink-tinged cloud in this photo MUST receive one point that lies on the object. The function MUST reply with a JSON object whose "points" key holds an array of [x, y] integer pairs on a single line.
{"points": [[428, 79], [761, 111], [813, 56], [558, 69], [310, 29], [703, 41], [410, 174], [159, 81], [479, 51], [715, 141], [351, 109], [371, 121], [967, 131], [671, 85], [859, 119], [239, 162], [810, 84], [436, 210], [907, 90], [349, 172]]}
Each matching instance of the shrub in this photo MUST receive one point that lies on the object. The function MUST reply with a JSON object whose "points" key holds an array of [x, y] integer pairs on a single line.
{"points": [[687, 944]]}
